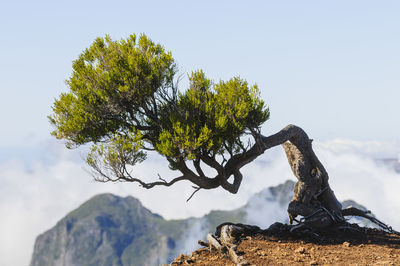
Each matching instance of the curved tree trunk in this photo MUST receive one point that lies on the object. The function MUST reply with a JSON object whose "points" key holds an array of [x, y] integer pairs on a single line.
{"points": [[313, 198], [312, 192]]}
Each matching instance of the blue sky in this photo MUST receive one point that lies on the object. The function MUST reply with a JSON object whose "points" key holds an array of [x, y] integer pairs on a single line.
{"points": [[329, 67]]}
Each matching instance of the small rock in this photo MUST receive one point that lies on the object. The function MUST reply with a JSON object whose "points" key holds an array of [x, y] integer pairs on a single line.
{"points": [[346, 244], [262, 253], [188, 261], [384, 263], [180, 258], [313, 262], [255, 249], [300, 250]]}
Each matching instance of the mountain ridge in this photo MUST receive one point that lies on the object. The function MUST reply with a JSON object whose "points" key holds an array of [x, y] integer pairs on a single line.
{"points": [[113, 230]]}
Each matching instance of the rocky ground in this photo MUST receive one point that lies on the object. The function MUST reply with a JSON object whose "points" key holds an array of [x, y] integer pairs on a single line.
{"points": [[355, 246]]}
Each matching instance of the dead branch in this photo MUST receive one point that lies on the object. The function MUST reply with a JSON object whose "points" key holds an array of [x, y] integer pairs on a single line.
{"points": [[213, 242], [227, 239], [204, 244]]}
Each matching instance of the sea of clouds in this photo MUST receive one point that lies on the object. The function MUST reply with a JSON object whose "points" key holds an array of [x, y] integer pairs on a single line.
{"points": [[40, 185]]}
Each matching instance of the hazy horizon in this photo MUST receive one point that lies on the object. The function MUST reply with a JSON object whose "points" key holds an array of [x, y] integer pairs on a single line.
{"points": [[45, 189], [331, 68]]}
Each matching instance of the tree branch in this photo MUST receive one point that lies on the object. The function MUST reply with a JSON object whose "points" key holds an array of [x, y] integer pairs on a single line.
{"points": [[127, 177], [196, 164], [237, 180], [313, 183], [194, 192]]}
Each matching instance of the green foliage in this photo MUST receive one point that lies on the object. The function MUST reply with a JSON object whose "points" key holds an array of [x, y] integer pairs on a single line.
{"points": [[118, 152], [211, 118], [122, 99], [111, 84]]}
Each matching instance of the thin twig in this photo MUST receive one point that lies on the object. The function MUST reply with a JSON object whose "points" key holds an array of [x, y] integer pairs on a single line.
{"points": [[162, 179], [194, 192]]}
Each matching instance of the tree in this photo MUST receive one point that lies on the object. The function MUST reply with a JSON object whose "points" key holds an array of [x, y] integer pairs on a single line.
{"points": [[123, 99]]}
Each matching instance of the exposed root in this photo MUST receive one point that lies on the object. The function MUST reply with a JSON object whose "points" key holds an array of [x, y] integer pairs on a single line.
{"points": [[228, 236], [357, 212], [214, 242]]}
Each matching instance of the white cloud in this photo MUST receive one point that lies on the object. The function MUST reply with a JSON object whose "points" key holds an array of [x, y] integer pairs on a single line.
{"points": [[34, 195], [354, 174], [371, 149]]}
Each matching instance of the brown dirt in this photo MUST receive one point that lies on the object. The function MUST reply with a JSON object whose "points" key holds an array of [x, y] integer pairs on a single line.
{"points": [[348, 247]]}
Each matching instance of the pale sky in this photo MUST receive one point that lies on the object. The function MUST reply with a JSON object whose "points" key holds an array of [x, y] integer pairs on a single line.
{"points": [[331, 67]]}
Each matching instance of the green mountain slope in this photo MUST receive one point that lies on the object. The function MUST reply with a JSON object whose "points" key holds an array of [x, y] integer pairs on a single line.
{"points": [[110, 230]]}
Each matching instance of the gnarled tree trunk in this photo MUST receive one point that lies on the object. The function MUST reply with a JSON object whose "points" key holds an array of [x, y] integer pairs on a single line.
{"points": [[313, 198]]}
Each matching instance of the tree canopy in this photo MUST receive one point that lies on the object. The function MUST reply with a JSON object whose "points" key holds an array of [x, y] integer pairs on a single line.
{"points": [[123, 100]]}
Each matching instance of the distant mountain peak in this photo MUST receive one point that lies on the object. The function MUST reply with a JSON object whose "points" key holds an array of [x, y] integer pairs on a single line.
{"points": [[112, 230]]}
